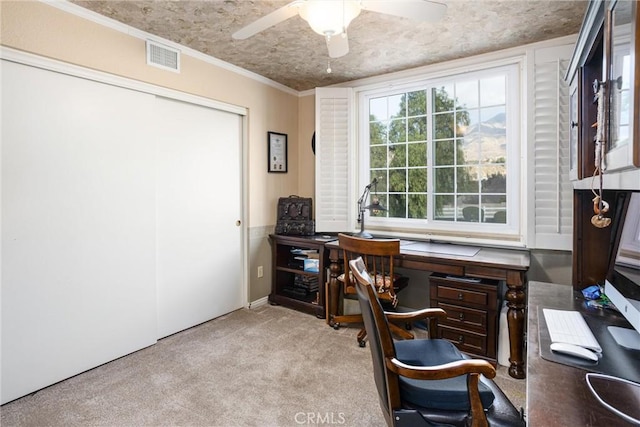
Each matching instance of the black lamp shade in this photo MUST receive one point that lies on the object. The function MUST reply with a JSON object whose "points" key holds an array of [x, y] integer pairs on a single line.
{"points": [[375, 206]]}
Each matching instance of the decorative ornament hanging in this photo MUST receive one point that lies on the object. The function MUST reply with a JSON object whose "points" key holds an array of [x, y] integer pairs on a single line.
{"points": [[600, 206]]}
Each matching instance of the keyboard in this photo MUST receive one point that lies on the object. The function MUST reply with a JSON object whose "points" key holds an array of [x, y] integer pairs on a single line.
{"points": [[570, 327]]}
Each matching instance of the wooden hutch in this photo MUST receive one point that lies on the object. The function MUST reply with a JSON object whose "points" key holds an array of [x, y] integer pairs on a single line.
{"points": [[604, 80]]}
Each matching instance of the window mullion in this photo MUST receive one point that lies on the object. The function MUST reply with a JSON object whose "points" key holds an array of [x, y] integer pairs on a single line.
{"points": [[465, 137], [430, 162]]}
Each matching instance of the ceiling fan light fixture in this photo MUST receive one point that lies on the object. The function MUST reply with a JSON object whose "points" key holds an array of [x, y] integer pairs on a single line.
{"points": [[329, 18]]}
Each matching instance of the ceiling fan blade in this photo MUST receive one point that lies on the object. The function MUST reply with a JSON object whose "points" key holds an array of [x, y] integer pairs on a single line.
{"points": [[273, 18], [417, 10], [338, 46]]}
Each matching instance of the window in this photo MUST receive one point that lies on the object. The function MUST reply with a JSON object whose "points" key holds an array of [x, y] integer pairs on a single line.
{"points": [[414, 131], [445, 153]]}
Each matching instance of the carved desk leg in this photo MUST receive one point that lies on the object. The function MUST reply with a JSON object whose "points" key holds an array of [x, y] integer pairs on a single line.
{"points": [[515, 318], [333, 286]]}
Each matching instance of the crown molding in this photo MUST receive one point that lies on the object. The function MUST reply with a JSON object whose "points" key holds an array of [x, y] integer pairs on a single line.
{"points": [[81, 12]]}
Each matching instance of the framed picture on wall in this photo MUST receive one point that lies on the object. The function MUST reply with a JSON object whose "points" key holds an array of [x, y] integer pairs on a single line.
{"points": [[277, 152]]}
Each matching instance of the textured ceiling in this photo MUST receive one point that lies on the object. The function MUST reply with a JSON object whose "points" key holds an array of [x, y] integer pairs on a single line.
{"points": [[292, 54]]}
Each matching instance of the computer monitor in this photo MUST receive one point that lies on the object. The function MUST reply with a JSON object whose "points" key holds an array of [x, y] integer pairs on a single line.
{"points": [[622, 286]]}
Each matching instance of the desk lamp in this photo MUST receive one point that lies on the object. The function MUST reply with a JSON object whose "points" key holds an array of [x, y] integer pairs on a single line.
{"points": [[374, 206]]}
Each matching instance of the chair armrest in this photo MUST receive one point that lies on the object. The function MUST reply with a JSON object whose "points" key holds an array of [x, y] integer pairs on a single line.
{"points": [[439, 372], [416, 315], [472, 368]]}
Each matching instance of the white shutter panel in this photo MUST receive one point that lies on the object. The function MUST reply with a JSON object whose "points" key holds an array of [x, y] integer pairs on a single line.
{"points": [[552, 195], [333, 159]]}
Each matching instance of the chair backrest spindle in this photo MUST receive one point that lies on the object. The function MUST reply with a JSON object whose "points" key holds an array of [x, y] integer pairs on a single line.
{"points": [[378, 256]]}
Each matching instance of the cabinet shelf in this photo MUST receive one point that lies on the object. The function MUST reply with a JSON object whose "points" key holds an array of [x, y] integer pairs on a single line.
{"points": [[296, 271], [294, 287]]}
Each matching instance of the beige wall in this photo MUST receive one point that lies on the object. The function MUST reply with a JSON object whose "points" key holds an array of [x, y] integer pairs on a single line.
{"points": [[550, 266], [306, 158], [44, 30], [47, 31]]}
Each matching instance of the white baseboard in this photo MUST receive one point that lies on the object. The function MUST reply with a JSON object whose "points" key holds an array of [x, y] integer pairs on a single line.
{"points": [[259, 303]]}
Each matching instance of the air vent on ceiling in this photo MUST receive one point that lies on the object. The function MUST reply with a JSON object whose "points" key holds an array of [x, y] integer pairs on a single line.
{"points": [[163, 57]]}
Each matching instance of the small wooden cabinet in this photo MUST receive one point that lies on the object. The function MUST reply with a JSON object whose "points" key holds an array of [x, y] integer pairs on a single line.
{"points": [[472, 313], [291, 285]]}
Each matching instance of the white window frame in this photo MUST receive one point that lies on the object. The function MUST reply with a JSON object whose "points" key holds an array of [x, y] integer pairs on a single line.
{"points": [[509, 233]]}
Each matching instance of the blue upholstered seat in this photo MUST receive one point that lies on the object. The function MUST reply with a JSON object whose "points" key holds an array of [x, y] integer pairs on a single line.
{"points": [[448, 394]]}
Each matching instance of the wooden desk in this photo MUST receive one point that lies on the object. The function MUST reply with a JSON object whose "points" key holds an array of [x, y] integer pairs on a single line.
{"points": [[501, 264], [558, 394]]}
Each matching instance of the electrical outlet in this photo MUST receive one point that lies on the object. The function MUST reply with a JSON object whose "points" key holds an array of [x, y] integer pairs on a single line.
{"points": [[260, 271]]}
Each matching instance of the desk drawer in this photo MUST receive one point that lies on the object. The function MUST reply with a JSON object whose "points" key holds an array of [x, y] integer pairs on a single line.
{"points": [[463, 295], [482, 295], [471, 307], [466, 341], [464, 317]]}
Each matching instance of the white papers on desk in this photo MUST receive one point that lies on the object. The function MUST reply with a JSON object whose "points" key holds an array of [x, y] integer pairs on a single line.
{"points": [[439, 248]]}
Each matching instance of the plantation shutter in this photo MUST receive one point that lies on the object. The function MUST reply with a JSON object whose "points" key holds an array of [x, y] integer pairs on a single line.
{"points": [[334, 159], [552, 203]]}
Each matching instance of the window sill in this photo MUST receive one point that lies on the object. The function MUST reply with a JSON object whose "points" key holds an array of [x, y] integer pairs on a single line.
{"points": [[475, 238]]}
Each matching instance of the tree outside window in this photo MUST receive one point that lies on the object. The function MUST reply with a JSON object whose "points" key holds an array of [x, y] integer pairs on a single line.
{"points": [[462, 126]]}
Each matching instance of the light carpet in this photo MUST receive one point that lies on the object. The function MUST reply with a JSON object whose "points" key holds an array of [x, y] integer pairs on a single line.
{"points": [[268, 366]]}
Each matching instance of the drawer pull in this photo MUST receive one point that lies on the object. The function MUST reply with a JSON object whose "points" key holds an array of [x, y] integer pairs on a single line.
{"points": [[461, 316], [460, 297], [460, 339]]}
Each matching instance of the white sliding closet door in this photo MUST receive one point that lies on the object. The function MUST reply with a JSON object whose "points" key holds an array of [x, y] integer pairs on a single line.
{"points": [[78, 226], [199, 190], [118, 221]]}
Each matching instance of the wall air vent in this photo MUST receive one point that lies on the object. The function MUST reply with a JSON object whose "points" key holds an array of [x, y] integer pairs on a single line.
{"points": [[162, 56]]}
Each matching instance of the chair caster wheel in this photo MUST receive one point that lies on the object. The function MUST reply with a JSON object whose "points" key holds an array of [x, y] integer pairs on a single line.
{"points": [[362, 343], [336, 326]]}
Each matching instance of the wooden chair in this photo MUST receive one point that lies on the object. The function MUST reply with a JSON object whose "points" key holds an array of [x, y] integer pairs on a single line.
{"points": [[378, 255], [425, 382], [473, 213]]}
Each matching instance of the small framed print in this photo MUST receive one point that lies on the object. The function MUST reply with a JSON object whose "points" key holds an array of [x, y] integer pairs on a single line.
{"points": [[277, 152]]}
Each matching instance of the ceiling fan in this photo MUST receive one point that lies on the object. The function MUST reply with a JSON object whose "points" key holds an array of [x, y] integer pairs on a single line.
{"points": [[330, 18]]}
